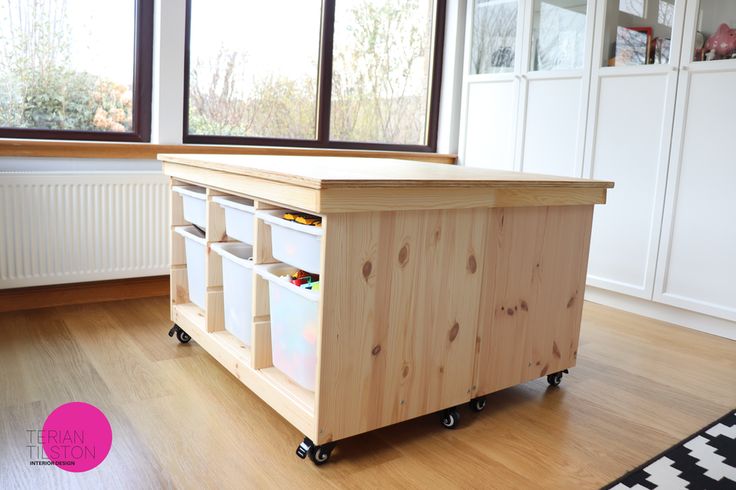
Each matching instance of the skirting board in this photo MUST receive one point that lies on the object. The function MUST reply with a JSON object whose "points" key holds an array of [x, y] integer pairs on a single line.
{"points": [[82, 292], [665, 313]]}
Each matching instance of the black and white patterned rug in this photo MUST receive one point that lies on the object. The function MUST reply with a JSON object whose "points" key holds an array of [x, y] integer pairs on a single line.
{"points": [[704, 461]]}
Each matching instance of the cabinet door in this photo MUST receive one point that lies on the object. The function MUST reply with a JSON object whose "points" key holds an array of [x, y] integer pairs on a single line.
{"points": [[554, 86], [697, 257], [631, 112], [491, 84]]}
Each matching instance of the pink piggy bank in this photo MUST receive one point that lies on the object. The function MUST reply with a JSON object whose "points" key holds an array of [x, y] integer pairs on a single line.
{"points": [[723, 42]]}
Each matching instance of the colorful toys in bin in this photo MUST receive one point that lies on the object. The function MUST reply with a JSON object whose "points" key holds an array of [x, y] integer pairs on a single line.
{"points": [[304, 280], [303, 219]]}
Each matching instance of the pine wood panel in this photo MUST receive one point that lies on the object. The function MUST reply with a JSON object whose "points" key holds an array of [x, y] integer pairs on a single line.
{"points": [[398, 339], [366, 198], [178, 275], [261, 334], [322, 173], [214, 296], [75, 149], [372, 199], [293, 196], [534, 278]]}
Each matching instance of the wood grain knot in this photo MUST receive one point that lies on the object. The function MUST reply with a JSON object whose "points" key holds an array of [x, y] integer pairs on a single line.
{"points": [[472, 264], [524, 306], [572, 300], [404, 254], [376, 350], [544, 370], [437, 235], [510, 311], [367, 269], [405, 371], [556, 350], [454, 331]]}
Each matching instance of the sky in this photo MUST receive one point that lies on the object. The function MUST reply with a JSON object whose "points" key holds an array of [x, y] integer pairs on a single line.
{"points": [[277, 37], [103, 39]]}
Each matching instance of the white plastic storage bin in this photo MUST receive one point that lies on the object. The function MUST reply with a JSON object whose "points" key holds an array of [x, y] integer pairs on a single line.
{"points": [[194, 244], [294, 325], [194, 199], [293, 243], [237, 287], [238, 217]]}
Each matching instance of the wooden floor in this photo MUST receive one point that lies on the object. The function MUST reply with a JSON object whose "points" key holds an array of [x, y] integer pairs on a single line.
{"points": [[181, 421]]}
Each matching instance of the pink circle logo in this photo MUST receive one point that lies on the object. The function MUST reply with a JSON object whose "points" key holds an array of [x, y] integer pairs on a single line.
{"points": [[77, 437]]}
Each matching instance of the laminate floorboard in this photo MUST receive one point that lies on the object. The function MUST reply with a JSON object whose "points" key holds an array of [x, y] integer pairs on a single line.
{"points": [[180, 420]]}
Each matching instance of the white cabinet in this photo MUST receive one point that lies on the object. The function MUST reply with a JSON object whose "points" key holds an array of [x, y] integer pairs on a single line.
{"points": [[630, 121], [554, 86], [622, 90], [489, 124], [697, 255], [525, 85], [491, 83]]}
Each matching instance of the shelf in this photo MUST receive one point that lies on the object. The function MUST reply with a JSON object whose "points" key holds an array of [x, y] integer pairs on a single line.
{"points": [[282, 382], [233, 344], [292, 402], [193, 315]]}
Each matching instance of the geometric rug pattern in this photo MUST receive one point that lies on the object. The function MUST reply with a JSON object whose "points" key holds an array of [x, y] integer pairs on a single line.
{"points": [[704, 461]]}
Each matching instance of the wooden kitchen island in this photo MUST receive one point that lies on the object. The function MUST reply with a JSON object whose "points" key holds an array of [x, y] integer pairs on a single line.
{"points": [[438, 284]]}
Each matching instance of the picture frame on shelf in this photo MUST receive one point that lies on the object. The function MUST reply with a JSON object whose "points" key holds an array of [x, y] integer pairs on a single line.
{"points": [[633, 46]]}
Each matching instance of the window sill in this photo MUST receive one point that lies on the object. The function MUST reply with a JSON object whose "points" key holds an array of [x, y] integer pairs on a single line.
{"points": [[148, 151]]}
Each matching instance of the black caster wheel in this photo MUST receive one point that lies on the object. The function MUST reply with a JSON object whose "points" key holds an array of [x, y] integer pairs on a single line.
{"points": [[321, 454], [478, 404], [318, 454], [555, 379], [181, 335], [450, 418]]}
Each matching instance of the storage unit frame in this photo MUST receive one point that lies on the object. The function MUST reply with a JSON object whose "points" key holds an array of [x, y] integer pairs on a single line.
{"points": [[438, 284]]}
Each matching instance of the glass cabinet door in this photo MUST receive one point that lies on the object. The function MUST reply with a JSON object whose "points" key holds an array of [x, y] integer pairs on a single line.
{"points": [[638, 32], [493, 42], [715, 38], [558, 35]]}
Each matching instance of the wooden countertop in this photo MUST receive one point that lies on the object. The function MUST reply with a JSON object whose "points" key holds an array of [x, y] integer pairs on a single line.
{"points": [[340, 172], [344, 184]]}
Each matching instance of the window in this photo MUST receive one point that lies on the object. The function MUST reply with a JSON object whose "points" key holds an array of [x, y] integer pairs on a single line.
{"points": [[318, 73], [640, 33], [493, 47], [558, 35], [76, 69], [632, 7]]}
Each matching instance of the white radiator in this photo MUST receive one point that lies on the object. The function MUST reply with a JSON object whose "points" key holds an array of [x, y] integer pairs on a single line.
{"points": [[74, 227]]}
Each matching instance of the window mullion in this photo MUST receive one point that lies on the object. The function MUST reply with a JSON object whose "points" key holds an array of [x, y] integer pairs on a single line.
{"points": [[325, 72]]}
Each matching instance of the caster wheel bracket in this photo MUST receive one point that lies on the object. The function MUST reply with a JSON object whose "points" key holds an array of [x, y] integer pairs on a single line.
{"points": [[181, 335], [304, 448]]}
